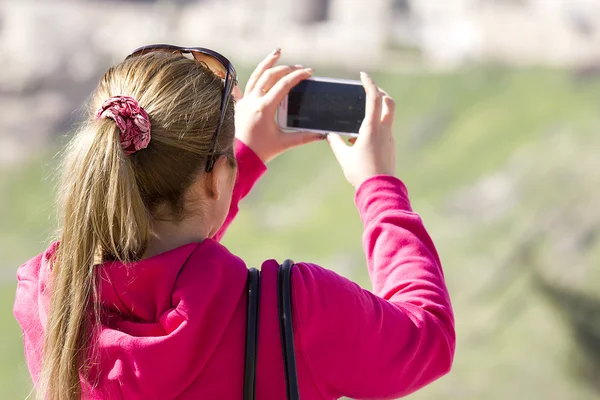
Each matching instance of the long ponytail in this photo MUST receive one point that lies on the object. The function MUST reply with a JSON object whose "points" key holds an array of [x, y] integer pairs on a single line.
{"points": [[102, 212], [109, 199]]}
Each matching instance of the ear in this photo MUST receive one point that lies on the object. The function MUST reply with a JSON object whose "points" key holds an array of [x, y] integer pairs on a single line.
{"points": [[216, 177], [237, 93]]}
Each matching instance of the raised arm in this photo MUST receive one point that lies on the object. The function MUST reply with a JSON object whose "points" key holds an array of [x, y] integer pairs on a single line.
{"points": [[391, 342], [258, 137]]}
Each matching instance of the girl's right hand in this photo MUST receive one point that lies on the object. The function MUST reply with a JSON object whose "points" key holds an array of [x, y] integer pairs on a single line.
{"points": [[374, 152], [255, 111]]}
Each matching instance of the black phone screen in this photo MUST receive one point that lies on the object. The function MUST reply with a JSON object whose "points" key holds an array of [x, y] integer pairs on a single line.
{"points": [[326, 106]]}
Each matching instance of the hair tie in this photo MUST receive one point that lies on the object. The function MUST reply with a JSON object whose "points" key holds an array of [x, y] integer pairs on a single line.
{"points": [[131, 119]]}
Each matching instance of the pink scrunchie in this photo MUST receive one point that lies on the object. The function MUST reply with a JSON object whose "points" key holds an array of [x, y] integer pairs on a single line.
{"points": [[131, 119]]}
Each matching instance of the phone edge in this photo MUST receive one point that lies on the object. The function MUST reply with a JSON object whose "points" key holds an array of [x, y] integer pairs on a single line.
{"points": [[282, 108], [335, 80]]}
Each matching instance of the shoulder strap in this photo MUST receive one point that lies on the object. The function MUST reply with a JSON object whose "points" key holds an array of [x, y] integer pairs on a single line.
{"points": [[284, 299], [284, 295], [253, 286]]}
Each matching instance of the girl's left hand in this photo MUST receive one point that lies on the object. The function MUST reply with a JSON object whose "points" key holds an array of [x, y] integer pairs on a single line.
{"points": [[255, 123]]}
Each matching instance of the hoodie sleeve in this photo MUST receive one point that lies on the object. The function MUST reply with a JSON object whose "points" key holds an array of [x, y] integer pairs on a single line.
{"points": [[28, 311], [395, 340], [250, 168]]}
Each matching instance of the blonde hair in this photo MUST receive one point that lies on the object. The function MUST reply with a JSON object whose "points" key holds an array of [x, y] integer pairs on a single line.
{"points": [[108, 199]]}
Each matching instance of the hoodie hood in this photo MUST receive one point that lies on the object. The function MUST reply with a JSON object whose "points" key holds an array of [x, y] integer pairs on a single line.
{"points": [[162, 317]]}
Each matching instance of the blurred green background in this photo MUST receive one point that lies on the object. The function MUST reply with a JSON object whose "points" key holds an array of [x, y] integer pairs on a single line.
{"points": [[501, 162]]}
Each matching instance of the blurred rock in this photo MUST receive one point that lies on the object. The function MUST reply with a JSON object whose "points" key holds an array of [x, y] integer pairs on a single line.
{"points": [[29, 124], [53, 52], [64, 46]]}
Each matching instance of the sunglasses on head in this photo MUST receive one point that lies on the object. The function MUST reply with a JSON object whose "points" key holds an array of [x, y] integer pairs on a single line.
{"points": [[214, 61]]}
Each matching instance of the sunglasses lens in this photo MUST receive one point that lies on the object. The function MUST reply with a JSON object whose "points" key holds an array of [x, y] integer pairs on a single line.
{"points": [[212, 63], [209, 61]]}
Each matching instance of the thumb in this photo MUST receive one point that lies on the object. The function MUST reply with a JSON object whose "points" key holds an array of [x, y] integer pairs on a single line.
{"points": [[294, 139], [337, 145]]}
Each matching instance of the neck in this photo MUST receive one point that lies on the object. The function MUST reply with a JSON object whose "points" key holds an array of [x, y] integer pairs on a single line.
{"points": [[169, 235]]}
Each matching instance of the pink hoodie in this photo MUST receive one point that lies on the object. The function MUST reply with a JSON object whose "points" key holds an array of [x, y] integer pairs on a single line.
{"points": [[175, 323]]}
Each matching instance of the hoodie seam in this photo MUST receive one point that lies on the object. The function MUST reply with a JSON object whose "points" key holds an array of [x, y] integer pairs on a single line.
{"points": [[209, 358], [186, 316], [176, 308], [120, 390]]}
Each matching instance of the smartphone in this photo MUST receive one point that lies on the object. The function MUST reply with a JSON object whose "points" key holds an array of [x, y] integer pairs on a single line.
{"points": [[324, 105]]}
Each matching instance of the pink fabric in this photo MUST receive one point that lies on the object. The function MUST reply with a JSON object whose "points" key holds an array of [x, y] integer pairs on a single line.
{"points": [[131, 119], [175, 323]]}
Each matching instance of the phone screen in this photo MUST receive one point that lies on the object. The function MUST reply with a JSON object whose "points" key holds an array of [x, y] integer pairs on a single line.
{"points": [[326, 106]]}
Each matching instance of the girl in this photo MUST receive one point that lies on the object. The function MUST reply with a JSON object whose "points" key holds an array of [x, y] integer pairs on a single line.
{"points": [[139, 300]]}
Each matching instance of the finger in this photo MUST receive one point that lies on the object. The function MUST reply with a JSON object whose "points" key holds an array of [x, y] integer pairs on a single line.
{"points": [[264, 65], [388, 111], [294, 139], [373, 104], [270, 77], [338, 146], [237, 93], [282, 88], [383, 92]]}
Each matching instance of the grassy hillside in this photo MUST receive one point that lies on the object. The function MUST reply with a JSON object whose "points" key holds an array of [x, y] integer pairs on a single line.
{"points": [[501, 166]]}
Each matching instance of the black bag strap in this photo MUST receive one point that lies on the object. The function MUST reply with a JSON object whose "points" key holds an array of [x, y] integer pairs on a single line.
{"points": [[284, 301], [253, 286], [284, 295]]}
